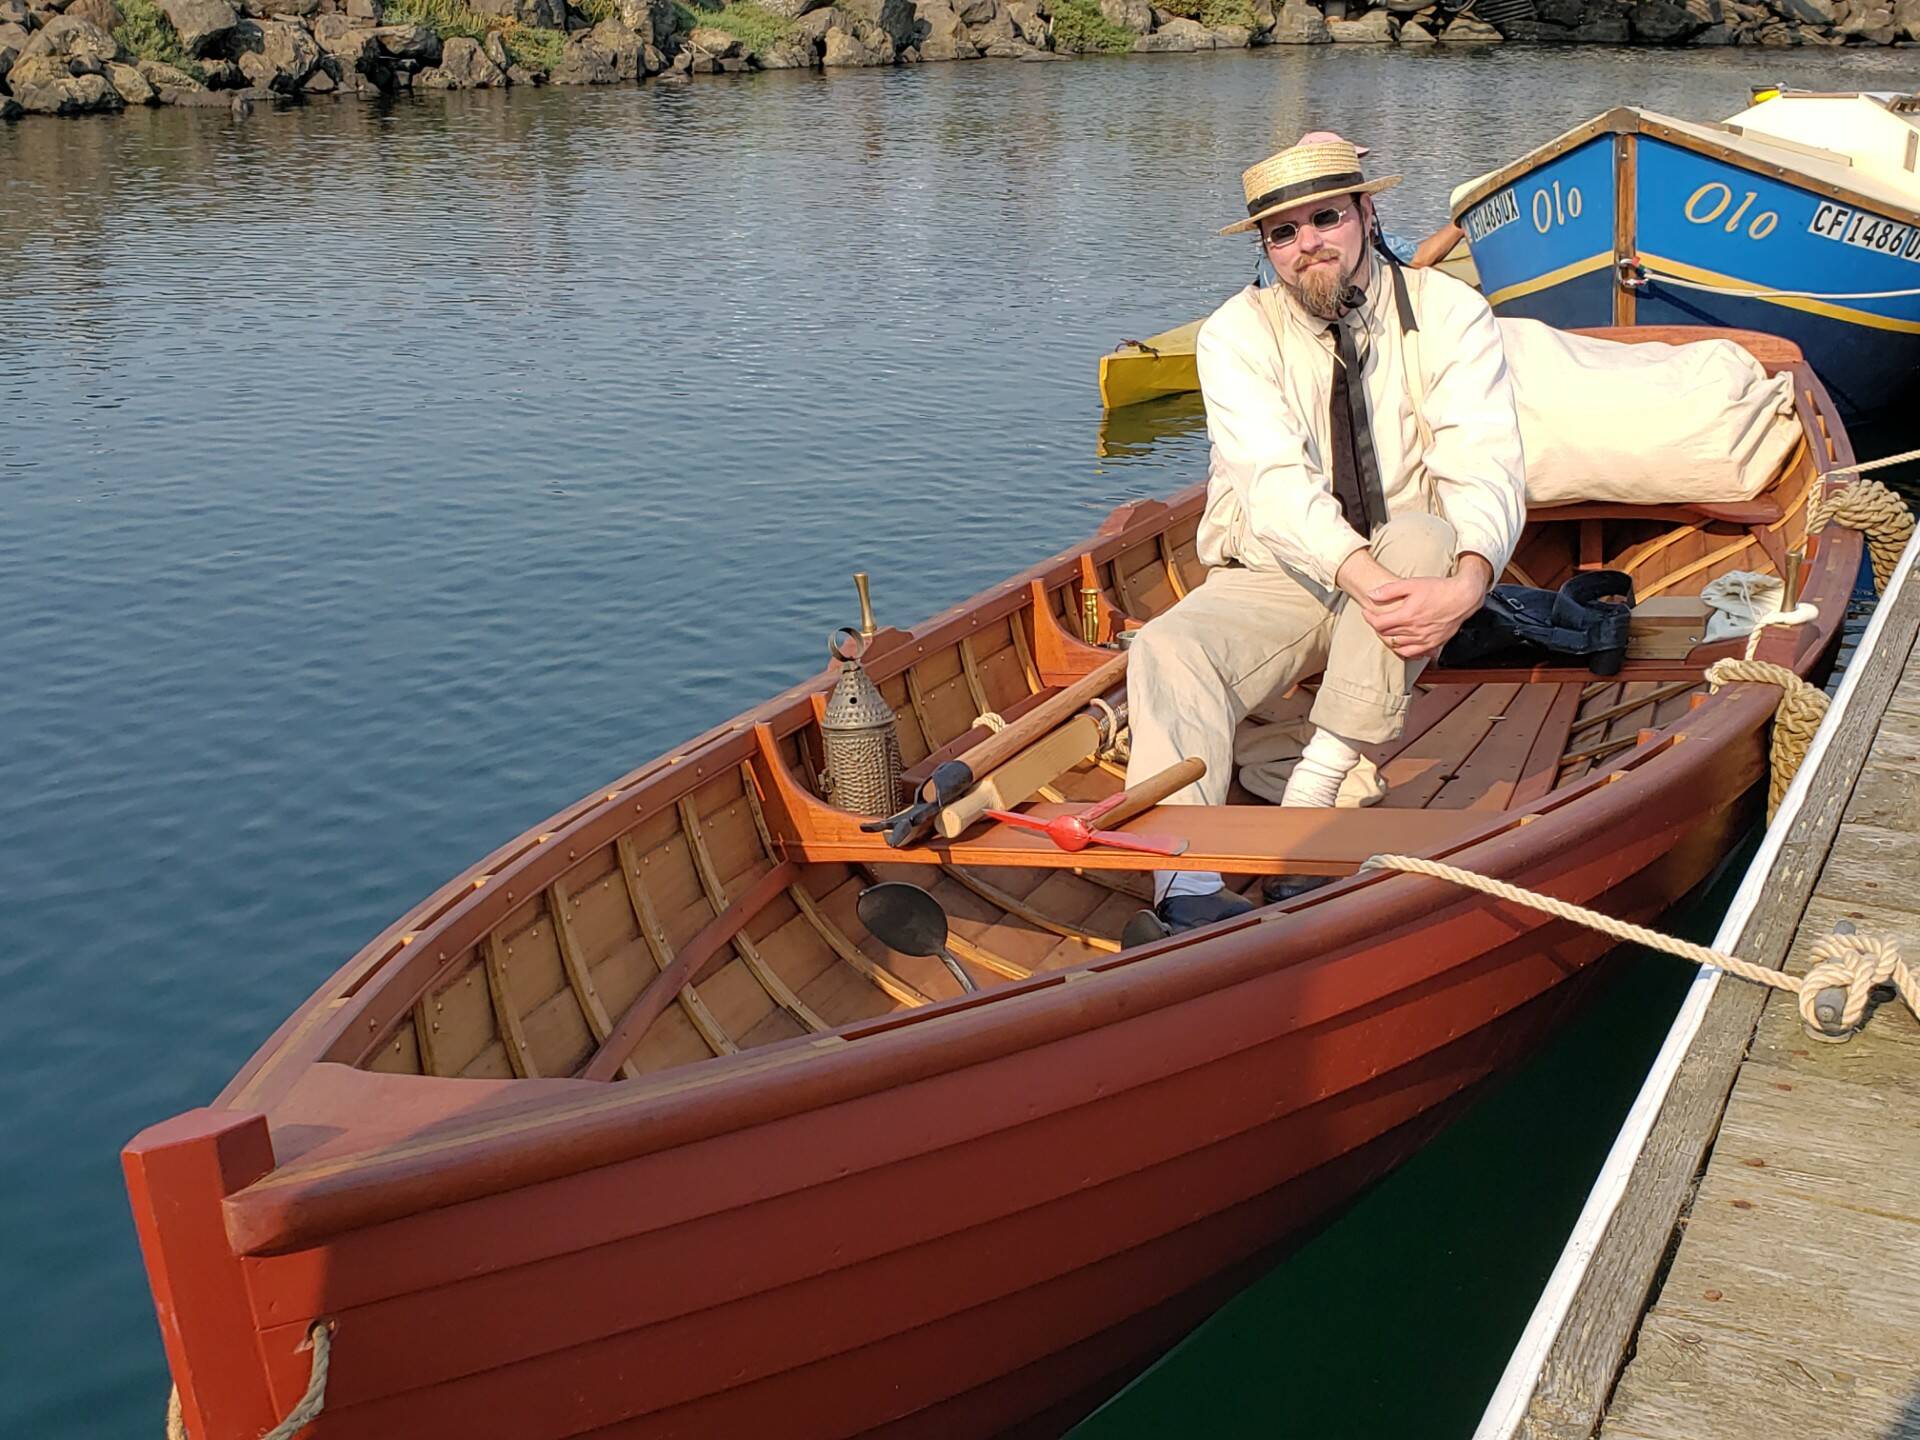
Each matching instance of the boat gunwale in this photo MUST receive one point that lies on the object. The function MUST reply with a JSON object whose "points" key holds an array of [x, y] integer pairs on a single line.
{"points": [[1630, 120]]}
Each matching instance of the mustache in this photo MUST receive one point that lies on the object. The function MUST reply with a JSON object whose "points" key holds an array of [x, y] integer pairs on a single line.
{"points": [[1310, 257]]}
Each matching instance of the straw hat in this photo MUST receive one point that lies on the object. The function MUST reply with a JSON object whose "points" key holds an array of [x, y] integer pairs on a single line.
{"points": [[1314, 167]]}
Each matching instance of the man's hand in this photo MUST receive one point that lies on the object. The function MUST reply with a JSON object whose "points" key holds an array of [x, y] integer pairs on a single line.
{"points": [[1416, 617]]}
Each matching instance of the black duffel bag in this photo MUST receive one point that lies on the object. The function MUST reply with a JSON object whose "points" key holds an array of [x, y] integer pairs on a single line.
{"points": [[1585, 619]]}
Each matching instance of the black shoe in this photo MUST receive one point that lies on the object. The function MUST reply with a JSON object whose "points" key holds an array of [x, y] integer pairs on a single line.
{"points": [[1279, 888], [1182, 912]]}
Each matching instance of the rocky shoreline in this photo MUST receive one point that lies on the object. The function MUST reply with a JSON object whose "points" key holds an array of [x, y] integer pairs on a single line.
{"points": [[73, 57]]}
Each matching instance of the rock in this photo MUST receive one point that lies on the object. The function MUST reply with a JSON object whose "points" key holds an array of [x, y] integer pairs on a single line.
{"points": [[893, 18], [1414, 33], [1807, 12], [10, 109], [463, 66], [163, 77], [69, 37], [202, 24], [651, 20], [1298, 23], [1373, 28], [847, 48], [495, 49], [1178, 35], [605, 55], [789, 52], [1031, 26], [13, 39], [996, 28], [1871, 23], [1601, 23], [134, 87], [102, 13], [813, 26], [369, 12], [322, 81], [44, 85], [713, 42], [942, 35], [1469, 30], [411, 47], [1668, 22], [274, 55], [1906, 18], [276, 9], [15, 12], [1134, 15]]}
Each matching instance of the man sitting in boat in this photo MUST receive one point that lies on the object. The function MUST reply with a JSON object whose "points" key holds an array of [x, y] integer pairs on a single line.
{"points": [[1366, 487]]}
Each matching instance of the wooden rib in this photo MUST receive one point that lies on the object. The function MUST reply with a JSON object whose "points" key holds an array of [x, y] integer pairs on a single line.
{"points": [[1711, 558], [777, 989], [1021, 910], [970, 668], [1514, 569], [1631, 560], [1595, 752], [1665, 692], [519, 1055], [1172, 568], [1121, 591], [835, 938], [422, 1026], [1025, 654], [918, 703], [578, 975], [655, 934]]}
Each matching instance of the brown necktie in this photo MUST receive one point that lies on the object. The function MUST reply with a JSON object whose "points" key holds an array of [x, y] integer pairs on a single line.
{"points": [[1356, 469]]}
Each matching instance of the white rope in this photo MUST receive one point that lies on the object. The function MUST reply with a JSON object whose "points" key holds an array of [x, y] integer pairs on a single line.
{"points": [[1647, 274], [1865, 465]]}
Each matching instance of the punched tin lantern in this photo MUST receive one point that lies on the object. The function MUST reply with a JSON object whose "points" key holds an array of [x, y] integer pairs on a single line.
{"points": [[860, 736]]}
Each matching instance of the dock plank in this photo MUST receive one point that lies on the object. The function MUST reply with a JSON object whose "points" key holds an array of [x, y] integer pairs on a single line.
{"points": [[1703, 1369]]}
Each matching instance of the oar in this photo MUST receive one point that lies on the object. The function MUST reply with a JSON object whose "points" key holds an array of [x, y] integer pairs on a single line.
{"points": [[954, 778], [906, 918]]}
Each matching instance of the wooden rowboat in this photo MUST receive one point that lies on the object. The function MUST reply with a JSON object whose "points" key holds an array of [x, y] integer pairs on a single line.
{"points": [[634, 1130]]}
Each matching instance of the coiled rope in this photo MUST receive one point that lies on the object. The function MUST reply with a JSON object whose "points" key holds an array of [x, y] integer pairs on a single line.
{"points": [[1871, 508], [1833, 995], [320, 1341]]}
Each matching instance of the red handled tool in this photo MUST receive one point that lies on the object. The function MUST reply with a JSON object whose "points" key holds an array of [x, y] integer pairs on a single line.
{"points": [[1076, 832]]}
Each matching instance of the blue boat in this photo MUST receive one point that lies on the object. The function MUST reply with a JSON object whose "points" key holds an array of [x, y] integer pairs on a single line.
{"points": [[1799, 216]]}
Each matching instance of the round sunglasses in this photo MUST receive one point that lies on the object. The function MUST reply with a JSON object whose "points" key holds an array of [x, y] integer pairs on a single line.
{"points": [[1281, 236]]}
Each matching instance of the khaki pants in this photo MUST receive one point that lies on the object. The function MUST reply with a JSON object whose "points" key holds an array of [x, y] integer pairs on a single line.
{"points": [[1244, 637]]}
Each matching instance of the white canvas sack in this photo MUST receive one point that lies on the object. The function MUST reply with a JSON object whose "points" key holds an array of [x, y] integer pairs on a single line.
{"points": [[1645, 423]]}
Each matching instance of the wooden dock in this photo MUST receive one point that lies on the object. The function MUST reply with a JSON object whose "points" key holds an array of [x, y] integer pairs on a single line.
{"points": [[1749, 1262]]}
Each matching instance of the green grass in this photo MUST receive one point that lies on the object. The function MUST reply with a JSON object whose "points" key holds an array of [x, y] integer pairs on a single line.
{"points": [[446, 18], [151, 36], [756, 29], [596, 10], [1079, 25], [532, 48], [1216, 13]]}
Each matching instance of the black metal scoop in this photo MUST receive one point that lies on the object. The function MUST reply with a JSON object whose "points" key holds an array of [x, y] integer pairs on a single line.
{"points": [[906, 918]]}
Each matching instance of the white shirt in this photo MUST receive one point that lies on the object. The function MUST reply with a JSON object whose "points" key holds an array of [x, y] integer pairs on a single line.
{"points": [[1270, 499]]}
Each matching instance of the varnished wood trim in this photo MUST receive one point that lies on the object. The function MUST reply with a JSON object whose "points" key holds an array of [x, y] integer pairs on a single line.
{"points": [[1025, 653], [777, 989], [506, 1018], [1627, 707], [918, 703], [1626, 220], [684, 972], [1171, 566], [655, 934], [422, 1030], [970, 669], [1620, 119]]}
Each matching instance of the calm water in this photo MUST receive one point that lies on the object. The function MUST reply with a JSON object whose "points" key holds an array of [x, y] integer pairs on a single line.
{"points": [[373, 481]]}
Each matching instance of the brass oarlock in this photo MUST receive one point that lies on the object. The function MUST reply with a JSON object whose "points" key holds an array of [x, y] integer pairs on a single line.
{"points": [[1090, 615]]}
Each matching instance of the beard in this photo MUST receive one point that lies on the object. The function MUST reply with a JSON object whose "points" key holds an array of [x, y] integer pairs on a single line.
{"points": [[1318, 288]]}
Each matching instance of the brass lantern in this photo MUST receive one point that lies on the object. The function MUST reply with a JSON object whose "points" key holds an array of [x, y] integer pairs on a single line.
{"points": [[860, 737]]}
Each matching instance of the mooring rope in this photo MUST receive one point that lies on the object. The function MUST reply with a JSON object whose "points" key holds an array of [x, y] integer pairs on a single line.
{"points": [[1871, 508], [320, 1341], [1851, 965]]}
